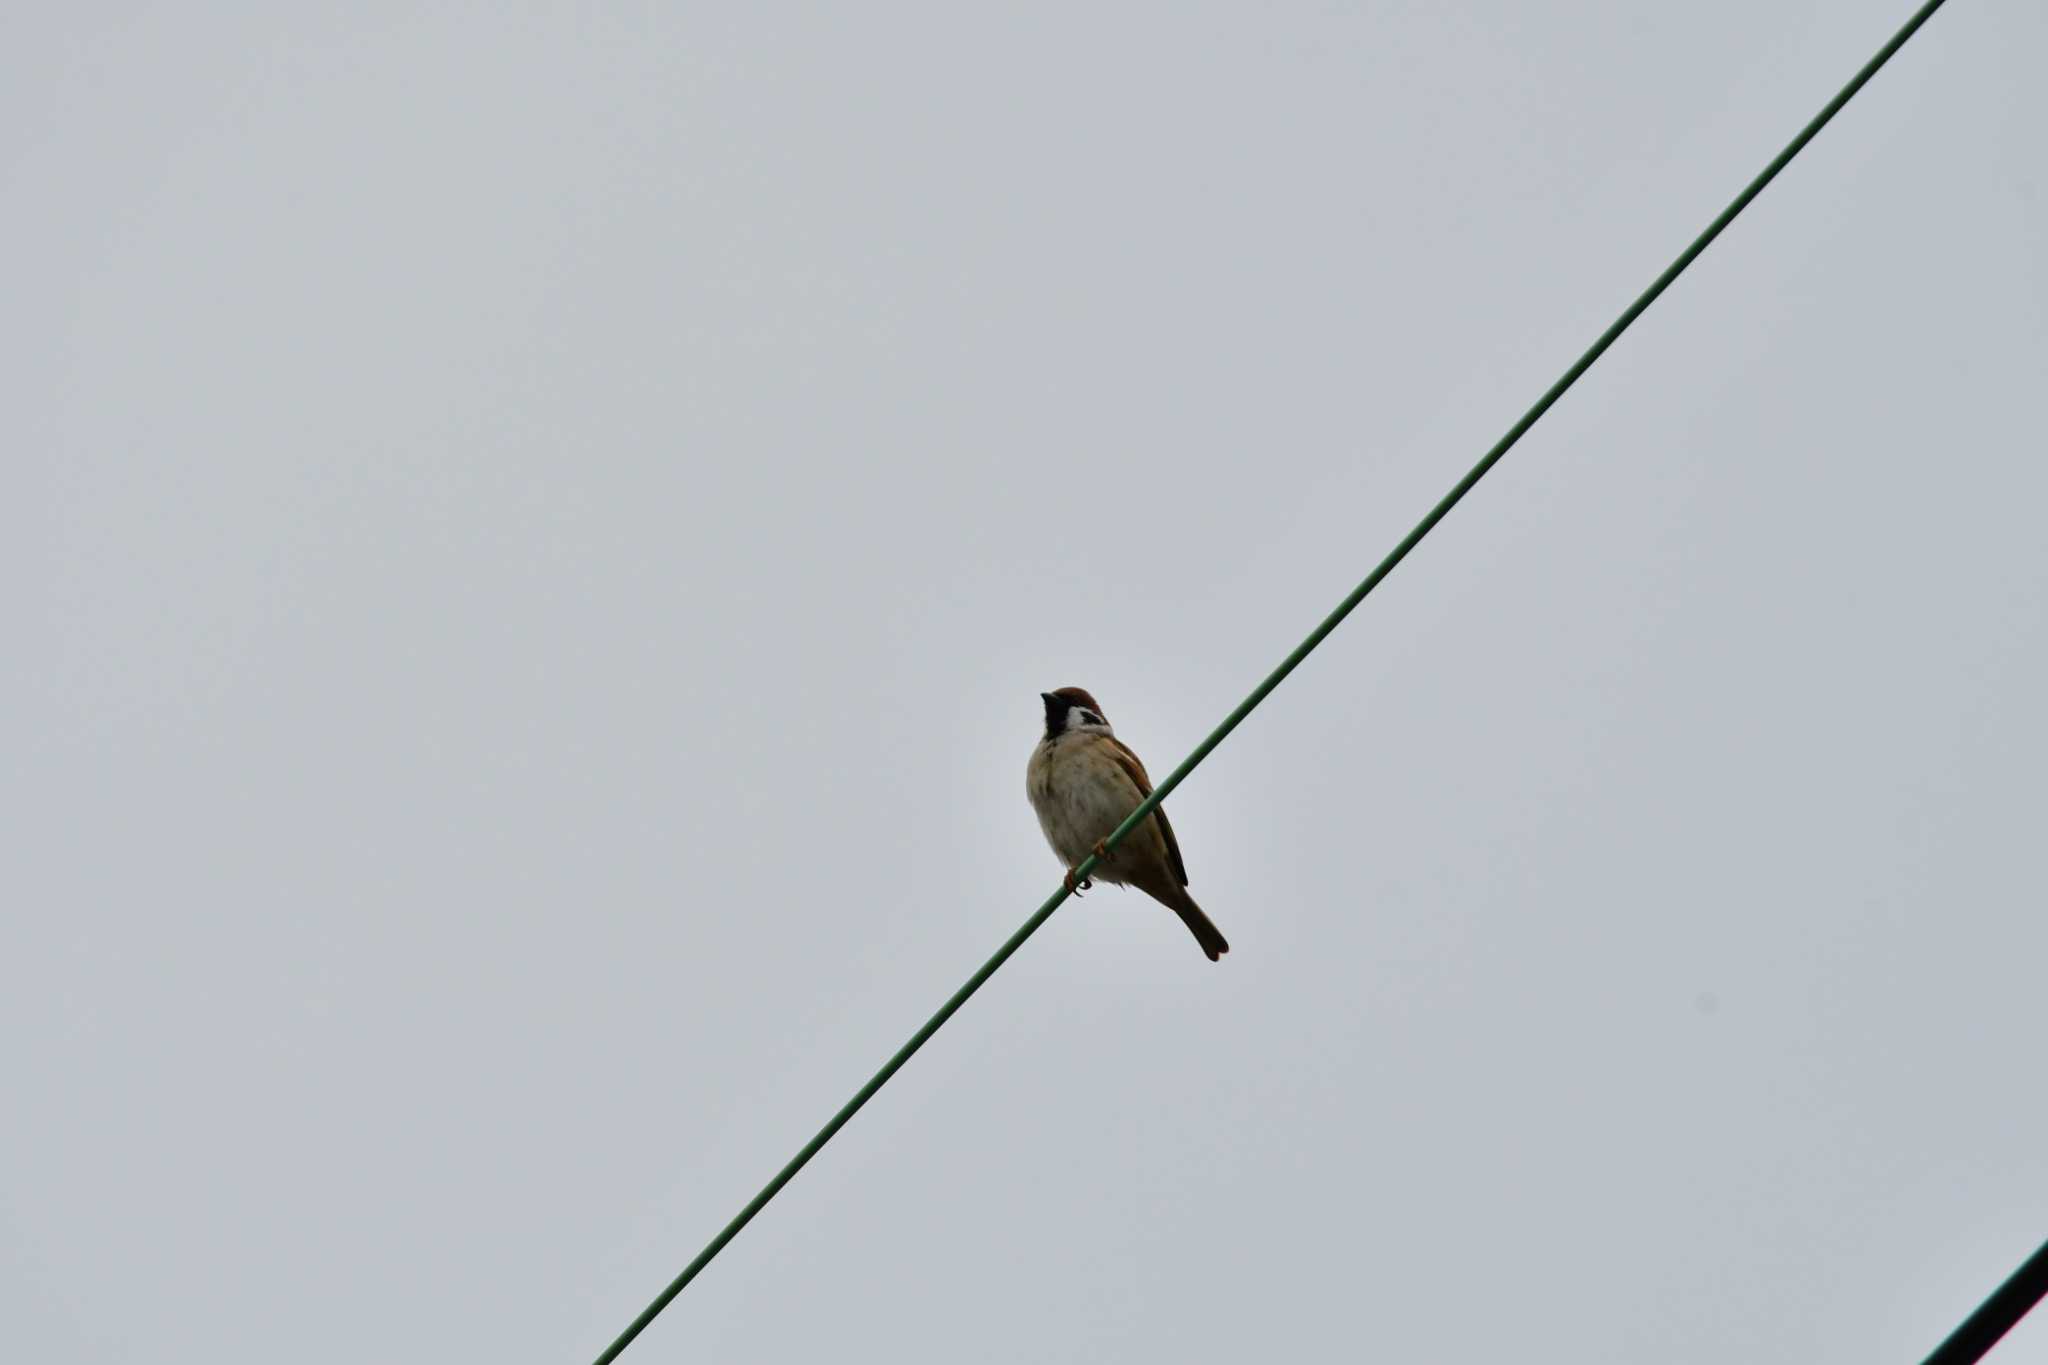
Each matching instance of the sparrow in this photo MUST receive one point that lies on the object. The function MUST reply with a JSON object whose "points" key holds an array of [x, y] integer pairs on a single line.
{"points": [[1083, 781]]}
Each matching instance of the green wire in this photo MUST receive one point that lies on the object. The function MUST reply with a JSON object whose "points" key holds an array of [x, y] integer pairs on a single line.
{"points": [[1273, 679], [1997, 1315]]}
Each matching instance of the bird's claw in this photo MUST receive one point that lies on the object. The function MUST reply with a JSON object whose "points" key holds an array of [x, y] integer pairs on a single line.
{"points": [[1076, 885]]}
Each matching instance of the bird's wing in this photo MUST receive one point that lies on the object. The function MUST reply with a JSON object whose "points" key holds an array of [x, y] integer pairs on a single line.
{"points": [[1134, 769]]}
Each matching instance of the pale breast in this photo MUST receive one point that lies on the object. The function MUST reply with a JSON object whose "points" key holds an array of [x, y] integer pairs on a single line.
{"points": [[1082, 793]]}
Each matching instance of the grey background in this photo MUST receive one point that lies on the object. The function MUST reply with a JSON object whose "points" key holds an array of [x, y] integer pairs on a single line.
{"points": [[534, 535]]}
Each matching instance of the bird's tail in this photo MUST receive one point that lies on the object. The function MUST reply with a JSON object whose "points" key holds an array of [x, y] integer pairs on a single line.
{"points": [[1200, 925]]}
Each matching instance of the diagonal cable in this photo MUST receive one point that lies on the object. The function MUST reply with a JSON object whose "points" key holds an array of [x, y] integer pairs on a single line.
{"points": [[1277, 676], [1997, 1315]]}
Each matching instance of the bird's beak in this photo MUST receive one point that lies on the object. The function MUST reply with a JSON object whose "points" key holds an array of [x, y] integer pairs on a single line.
{"points": [[1045, 696]]}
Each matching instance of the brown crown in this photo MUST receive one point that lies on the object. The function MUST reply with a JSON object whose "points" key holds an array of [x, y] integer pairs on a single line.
{"points": [[1079, 697]]}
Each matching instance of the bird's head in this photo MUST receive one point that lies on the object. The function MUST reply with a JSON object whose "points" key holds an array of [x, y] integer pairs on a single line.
{"points": [[1069, 709]]}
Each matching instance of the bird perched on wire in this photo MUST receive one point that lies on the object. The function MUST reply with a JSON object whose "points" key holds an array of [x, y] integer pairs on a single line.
{"points": [[1083, 781]]}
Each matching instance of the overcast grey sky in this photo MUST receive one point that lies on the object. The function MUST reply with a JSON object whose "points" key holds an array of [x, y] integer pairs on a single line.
{"points": [[535, 534]]}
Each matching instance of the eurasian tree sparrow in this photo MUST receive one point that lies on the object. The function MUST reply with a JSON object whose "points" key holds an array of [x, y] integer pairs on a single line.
{"points": [[1082, 781]]}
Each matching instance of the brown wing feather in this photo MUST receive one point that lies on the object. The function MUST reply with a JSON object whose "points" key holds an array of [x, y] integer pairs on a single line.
{"points": [[1134, 768]]}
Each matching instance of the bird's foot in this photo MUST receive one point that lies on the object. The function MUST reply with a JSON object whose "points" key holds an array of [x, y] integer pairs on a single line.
{"points": [[1075, 886], [1101, 853]]}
